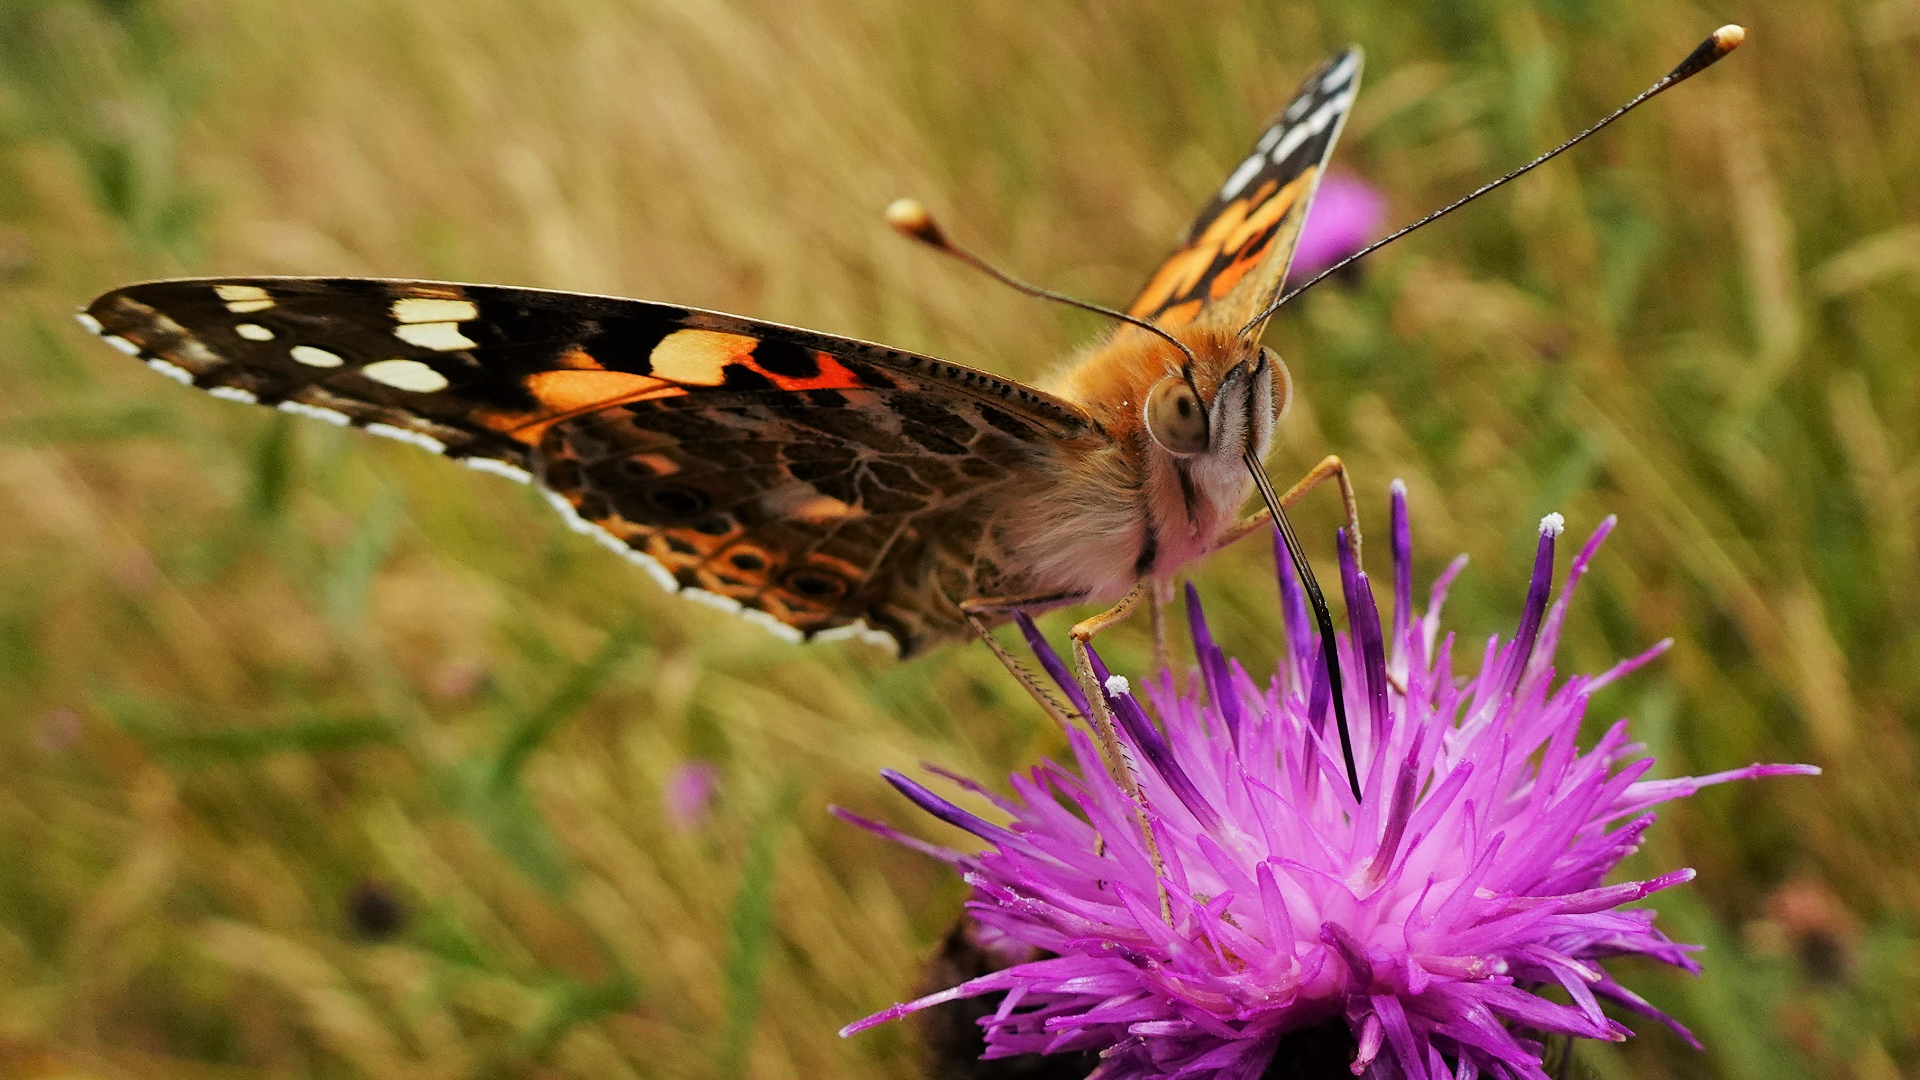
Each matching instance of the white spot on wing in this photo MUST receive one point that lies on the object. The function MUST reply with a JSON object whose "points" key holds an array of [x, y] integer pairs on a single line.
{"points": [[313, 357], [438, 336], [653, 568], [253, 331], [574, 520], [92, 324], [241, 299], [426, 309], [121, 343], [315, 412], [581, 525], [1342, 73], [713, 600], [498, 468], [1242, 176], [771, 625], [233, 393], [859, 631], [406, 375], [407, 435], [170, 370], [1312, 126], [665, 579]]}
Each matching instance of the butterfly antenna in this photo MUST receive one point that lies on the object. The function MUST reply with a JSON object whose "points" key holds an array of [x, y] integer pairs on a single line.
{"points": [[1723, 41], [911, 219], [1329, 646]]}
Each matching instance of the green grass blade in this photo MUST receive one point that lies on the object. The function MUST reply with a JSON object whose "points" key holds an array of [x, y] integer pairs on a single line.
{"points": [[750, 933]]}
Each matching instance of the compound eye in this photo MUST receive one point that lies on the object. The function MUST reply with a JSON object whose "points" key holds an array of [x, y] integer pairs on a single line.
{"points": [[1175, 418], [1282, 381]]}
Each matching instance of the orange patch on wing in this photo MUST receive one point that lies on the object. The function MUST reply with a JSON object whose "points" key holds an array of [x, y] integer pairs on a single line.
{"points": [[833, 375], [579, 359], [1226, 221], [699, 357], [575, 390], [1270, 212], [568, 392], [819, 583], [429, 291], [1181, 314], [1186, 269], [1176, 277], [1230, 275]]}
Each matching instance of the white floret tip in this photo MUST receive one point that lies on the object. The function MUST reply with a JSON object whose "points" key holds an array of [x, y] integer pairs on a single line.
{"points": [[1117, 685], [1553, 525]]}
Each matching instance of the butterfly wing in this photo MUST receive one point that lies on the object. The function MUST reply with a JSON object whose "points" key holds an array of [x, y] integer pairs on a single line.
{"points": [[1236, 254], [814, 482]]}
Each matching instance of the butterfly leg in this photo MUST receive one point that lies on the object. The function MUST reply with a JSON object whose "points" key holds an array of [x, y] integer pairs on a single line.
{"points": [[975, 609], [1103, 723], [1162, 596], [1021, 673], [1330, 468], [1082, 634]]}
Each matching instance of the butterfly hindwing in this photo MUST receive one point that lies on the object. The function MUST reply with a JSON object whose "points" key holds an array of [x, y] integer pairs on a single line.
{"points": [[815, 481], [1236, 254]]}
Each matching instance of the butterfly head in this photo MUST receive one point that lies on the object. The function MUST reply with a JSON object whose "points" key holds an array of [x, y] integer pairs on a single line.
{"points": [[1221, 404], [1202, 418]]}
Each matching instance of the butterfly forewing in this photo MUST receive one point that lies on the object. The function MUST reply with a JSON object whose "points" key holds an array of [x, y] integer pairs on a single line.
{"points": [[818, 481], [1235, 256]]}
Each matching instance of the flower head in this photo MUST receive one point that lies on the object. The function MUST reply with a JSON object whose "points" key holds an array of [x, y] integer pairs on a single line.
{"points": [[1426, 916], [1345, 217], [689, 794]]}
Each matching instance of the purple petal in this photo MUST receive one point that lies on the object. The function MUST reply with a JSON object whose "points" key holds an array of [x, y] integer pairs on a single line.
{"points": [[1050, 660], [1213, 667], [1145, 737], [1522, 650], [1359, 966], [1293, 608], [946, 811], [1363, 622], [944, 854], [1402, 563]]}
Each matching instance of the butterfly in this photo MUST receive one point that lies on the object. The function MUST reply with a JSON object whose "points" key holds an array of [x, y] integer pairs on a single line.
{"points": [[819, 485]]}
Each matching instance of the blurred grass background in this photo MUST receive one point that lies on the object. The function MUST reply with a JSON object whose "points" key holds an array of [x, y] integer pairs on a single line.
{"points": [[321, 757]]}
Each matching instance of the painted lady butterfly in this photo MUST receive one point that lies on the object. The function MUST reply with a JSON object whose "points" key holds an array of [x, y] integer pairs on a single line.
{"points": [[817, 484]]}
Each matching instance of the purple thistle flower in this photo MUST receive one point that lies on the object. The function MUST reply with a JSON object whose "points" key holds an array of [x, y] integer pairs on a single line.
{"points": [[1427, 917], [689, 794], [1345, 217]]}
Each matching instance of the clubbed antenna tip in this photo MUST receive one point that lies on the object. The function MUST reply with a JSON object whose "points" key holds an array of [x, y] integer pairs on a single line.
{"points": [[911, 219], [1723, 41]]}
